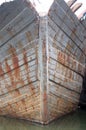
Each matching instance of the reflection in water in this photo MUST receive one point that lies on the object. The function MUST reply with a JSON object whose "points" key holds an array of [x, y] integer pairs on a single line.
{"points": [[74, 121]]}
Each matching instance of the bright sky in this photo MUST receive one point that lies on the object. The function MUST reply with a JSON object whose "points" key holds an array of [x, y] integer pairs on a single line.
{"points": [[43, 6]]}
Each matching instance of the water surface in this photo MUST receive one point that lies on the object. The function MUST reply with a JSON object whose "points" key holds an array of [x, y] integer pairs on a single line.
{"points": [[73, 121]]}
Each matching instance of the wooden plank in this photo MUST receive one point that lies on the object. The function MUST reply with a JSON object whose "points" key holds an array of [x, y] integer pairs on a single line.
{"points": [[15, 96], [16, 60], [19, 86], [59, 105], [19, 108], [67, 61], [68, 33], [22, 72], [20, 42], [60, 10], [16, 25], [64, 93], [62, 41], [13, 83], [64, 71], [59, 38], [66, 83]]}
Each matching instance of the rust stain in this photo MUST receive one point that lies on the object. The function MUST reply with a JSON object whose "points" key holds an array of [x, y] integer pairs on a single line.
{"points": [[29, 36], [7, 66], [54, 39], [73, 33], [12, 111], [24, 104], [15, 61], [45, 102], [27, 69], [1, 70], [21, 106], [17, 92], [61, 57], [14, 75], [44, 52], [8, 69]]}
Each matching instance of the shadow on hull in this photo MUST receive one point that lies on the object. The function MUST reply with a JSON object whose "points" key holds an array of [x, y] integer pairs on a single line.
{"points": [[83, 94]]}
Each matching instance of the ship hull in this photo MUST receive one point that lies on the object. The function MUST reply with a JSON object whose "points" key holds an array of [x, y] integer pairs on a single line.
{"points": [[41, 73]]}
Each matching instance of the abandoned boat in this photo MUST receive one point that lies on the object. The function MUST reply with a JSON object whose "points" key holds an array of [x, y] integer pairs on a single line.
{"points": [[42, 61]]}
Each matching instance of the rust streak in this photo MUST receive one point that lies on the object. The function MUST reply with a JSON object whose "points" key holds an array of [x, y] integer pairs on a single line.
{"points": [[29, 36], [9, 74], [15, 63], [1, 70], [27, 69]]}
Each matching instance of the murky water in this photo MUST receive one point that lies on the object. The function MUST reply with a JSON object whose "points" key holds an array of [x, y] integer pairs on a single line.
{"points": [[74, 121]]}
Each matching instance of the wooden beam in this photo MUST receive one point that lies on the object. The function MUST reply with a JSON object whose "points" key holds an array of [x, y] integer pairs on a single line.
{"points": [[76, 7], [71, 2]]}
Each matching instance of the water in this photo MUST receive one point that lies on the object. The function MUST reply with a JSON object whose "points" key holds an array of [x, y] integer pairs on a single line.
{"points": [[74, 121]]}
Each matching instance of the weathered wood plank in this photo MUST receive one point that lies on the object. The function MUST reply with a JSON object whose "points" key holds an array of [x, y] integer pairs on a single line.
{"points": [[70, 43], [64, 93], [16, 95], [66, 60], [67, 20], [16, 25]]}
